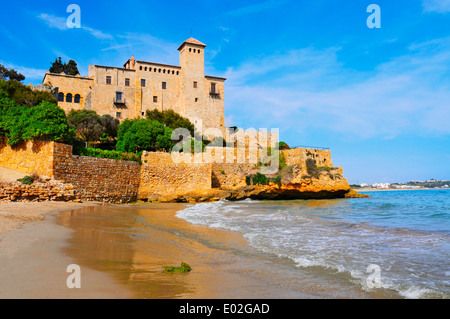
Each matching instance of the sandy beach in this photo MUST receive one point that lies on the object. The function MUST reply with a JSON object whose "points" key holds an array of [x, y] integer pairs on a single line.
{"points": [[121, 250], [32, 264]]}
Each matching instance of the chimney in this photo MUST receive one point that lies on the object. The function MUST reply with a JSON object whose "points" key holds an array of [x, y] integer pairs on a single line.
{"points": [[132, 61]]}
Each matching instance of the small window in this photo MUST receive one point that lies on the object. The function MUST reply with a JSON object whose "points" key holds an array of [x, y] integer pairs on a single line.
{"points": [[196, 99], [118, 115], [159, 70], [142, 113], [154, 70], [213, 87], [150, 69], [178, 72], [142, 82], [164, 71], [118, 96], [190, 49], [127, 82], [140, 68], [108, 80], [164, 85], [60, 97], [195, 84], [155, 99], [69, 98], [198, 51], [194, 50], [173, 72], [145, 68], [77, 98]]}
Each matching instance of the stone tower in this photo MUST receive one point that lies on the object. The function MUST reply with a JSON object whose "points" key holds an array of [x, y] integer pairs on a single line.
{"points": [[193, 79]]}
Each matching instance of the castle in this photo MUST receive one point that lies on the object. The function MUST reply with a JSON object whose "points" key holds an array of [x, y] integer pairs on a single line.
{"points": [[139, 86]]}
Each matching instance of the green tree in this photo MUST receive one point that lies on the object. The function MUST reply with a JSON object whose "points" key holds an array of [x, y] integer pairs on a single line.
{"points": [[143, 134], [69, 68], [57, 66], [110, 126], [10, 74], [24, 96], [170, 119], [87, 124]]}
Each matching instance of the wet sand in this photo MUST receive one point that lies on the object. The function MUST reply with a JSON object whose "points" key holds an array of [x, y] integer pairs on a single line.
{"points": [[32, 262], [133, 243], [122, 249]]}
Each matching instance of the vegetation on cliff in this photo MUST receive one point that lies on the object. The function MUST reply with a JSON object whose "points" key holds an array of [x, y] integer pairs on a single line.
{"points": [[143, 135], [45, 121], [22, 95], [10, 74]]}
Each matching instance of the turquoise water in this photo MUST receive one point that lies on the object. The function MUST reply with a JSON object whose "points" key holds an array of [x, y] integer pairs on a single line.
{"points": [[405, 234]]}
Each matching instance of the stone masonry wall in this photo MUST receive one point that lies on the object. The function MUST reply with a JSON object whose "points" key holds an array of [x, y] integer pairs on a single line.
{"points": [[99, 179], [161, 176], [30, 157]]}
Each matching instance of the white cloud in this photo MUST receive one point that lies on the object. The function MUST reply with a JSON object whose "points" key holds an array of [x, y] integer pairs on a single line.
{"points": [[60, 23], [440, 6], [54, 21], [307, 88]]}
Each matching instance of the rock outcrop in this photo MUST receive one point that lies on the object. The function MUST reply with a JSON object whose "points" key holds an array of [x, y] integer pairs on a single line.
{"points": [[324, 186]]}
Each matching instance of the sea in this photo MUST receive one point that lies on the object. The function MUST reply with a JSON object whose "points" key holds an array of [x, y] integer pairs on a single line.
{"points": [[395, 244]]}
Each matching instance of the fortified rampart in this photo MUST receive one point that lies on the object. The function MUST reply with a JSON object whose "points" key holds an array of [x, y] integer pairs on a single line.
{"points": [[159, 174]]}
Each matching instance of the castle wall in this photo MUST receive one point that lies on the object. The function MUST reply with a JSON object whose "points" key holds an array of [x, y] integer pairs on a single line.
{"points": [[30, 157], [73, 85], [99, 179], [161, 176]]}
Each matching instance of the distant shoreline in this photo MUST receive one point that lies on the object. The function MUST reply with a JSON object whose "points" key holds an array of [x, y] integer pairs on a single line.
{"points": [[365, 189]]}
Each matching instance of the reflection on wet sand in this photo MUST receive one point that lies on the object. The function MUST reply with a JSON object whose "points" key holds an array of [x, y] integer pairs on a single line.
{"points": [[134, 242]]}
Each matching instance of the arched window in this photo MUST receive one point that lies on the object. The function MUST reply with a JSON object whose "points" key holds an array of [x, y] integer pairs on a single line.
{"points": [[150, 69], [69, 98], [77, 98], [190, 49], [164, 71], [159, 70], [194, 50], [60, 97], [198, 51]]}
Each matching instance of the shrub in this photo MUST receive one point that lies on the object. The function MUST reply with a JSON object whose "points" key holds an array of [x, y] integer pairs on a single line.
{"points": [[95, 152], [27, 180], [283, 146], [184, 268], [143, 134], [260, 179], [45, 121], [22, 95], [170, 119]]}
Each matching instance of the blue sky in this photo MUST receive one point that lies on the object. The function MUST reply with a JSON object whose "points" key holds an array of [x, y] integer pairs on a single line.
{"points": [[379, 98]]}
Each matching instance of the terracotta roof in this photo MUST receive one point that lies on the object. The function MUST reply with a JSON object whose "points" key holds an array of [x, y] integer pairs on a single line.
{"points": [[192, 41]]}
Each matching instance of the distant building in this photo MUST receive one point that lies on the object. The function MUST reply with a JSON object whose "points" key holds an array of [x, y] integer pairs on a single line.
{"points": [[138, 86], [381, 185]]}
